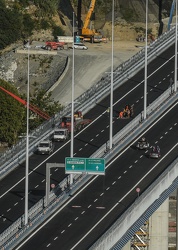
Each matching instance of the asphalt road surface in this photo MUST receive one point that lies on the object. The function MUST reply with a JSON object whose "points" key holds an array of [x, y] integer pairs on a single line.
{"points": [[12, 187]]}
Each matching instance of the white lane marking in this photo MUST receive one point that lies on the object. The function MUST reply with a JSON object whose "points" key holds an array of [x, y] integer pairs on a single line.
{"points": [[92, 139], [102, 131], [15, 204], [136, 161], [175, 124], [170, 128], [166, 133], [76, 218], [130, 166], [86, 144], [101, 194], [80, 149], [39, 228], [141, 156], [37, 186], [156, 142], [87, 126], [89, 206], [70, 225], [151, 89], [141, 97], [137, 101], [95, 200], [56, 169], [97, 135], [56, 238], [114, 183], [9, 210], [156, 85], [164, 79], [161, 137], [107, 188], [48, 245], [107, 126], [100, 207], [119, 177], [82, 212], [62, 231], [125, 172], [43, 180], [117, 203]]}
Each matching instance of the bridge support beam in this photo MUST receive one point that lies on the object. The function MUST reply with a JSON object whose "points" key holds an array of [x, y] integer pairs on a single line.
{"points": [[158, 228]]}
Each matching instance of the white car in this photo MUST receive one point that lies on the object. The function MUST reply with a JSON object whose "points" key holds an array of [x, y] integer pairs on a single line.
{"points": [[45, 147], [80, 46]]}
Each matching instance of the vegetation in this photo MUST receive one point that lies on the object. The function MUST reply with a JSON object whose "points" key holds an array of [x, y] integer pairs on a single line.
{"points": [[17, 23], [13, 113]]}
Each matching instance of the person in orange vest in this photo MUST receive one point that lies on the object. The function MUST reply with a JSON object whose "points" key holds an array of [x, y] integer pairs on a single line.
{"points": [[121, 114]]}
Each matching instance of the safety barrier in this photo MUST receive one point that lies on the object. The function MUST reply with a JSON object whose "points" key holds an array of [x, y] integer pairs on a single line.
{"points": [[39, 212], [16, 155]]}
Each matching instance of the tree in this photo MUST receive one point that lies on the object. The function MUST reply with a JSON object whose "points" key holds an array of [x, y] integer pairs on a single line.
{"points": [[12, 115]]}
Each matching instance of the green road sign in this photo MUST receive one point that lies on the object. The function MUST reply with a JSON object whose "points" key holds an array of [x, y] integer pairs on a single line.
{"points": [[74, 165], [95, 166], [84, 165]]}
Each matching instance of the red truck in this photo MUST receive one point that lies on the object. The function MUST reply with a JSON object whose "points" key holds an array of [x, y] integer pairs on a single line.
{"points": [[54, 45], [79, 122]]}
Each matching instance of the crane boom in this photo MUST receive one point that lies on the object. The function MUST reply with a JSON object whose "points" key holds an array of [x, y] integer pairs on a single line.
{"points": [[31, 107], [90, 11]]}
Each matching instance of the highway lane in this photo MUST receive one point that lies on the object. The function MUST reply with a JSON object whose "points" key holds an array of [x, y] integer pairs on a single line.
{"points": [[92, 211], [12, 203]]}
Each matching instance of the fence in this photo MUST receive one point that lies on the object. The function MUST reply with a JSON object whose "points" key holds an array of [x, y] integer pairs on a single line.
{"points": [[16, 155]]}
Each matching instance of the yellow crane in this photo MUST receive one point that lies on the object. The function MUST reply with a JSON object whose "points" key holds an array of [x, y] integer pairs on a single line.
{"points": [[89, 32]]}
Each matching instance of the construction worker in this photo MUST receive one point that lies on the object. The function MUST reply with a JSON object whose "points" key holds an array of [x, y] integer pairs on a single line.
{"points": [[121, 114]]}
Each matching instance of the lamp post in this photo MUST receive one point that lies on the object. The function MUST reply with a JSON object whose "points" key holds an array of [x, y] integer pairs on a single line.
{"points": [[72, 107], [175, 71], [146, 45], [27, 143], [111, 94]]}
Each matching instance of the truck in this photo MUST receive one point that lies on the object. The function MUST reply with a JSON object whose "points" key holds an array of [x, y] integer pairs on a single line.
{"points": [[54, 45], [60, 134], [45, 147], [79, 122]]}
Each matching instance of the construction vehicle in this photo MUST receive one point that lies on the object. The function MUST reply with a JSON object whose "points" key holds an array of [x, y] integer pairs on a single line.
{"points": [[54, 45], [60, 134], [79, 122], [127, 112], [89, 32]]}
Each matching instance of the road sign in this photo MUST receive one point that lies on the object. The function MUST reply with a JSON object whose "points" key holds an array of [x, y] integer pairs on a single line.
{"points": [[74, 165], [95, 166], [85, 165]]}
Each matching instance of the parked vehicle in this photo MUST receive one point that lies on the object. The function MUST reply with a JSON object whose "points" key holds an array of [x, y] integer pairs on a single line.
{"points": [[80, 46], [45, 147], [142, 144], [54, 45]]}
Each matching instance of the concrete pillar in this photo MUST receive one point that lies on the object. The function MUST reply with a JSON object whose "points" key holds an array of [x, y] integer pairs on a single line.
{"points": [[158, 228]]}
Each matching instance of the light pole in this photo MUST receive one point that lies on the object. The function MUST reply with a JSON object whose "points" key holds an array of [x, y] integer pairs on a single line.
{"points": [[27, 144], [175, 71], [111, 94], [146, 45], [72, 107]]}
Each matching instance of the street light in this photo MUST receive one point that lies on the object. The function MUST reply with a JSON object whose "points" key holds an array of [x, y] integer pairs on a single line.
{"points": [[111, 94], [145, 82], [27, 144], [72, 107], [175, 71]]}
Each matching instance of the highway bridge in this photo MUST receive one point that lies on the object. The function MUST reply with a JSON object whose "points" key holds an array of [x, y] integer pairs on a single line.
{"points": [[94, 208]]}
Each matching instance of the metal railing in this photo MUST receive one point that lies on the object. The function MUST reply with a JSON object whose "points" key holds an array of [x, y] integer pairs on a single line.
{"points": [[39, 212], [16, 155]]}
